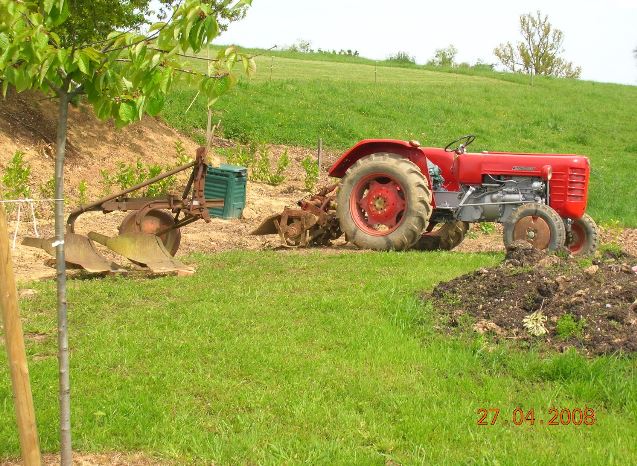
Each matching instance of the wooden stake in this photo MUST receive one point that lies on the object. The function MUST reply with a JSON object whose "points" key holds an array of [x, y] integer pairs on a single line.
{"points": [[320, 154], [14, 340]]}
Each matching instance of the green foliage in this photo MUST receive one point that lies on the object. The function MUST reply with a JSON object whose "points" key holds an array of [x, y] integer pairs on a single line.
{"points": [[47, 190], [444, 57], [124, 76], [180, 152], [534, 324], [14, 183], [311, 168], [256, 158], [82, 193], [402, 57], [612, 249], [567, 327], [487, 228], [538, 52], [262, 169], [128, 175]]}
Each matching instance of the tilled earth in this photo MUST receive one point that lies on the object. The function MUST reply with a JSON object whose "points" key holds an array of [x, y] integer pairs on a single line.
{"points": [[600, 296]]}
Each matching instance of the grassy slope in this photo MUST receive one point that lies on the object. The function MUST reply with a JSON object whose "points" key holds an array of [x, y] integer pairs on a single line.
{"points": [[310, 97], [268, 358]]}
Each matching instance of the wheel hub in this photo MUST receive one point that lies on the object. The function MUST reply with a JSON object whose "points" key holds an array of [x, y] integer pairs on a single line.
{"points": [[533, 230], [383, 203]]}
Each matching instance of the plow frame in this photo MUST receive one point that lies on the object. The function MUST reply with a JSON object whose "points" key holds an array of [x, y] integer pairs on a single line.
{"points": [[191, 206]]}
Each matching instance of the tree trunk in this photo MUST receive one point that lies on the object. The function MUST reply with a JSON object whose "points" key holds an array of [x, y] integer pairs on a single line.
{"points": [[66, 455]]}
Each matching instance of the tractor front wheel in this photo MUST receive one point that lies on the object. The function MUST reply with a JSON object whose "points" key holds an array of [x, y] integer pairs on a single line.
{"points": [[537, 224], [583, 237], [384, 203]]}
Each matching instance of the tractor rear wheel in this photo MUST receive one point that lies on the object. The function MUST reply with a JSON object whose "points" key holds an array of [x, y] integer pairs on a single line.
{"points": [[384, 203], [537, 224], [583, 239]]}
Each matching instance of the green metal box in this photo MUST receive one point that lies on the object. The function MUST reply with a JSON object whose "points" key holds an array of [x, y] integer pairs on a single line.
{"points": [[227, 182]]}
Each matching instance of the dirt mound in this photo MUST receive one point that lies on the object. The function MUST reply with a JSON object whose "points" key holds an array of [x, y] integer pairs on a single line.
{"points": [[590, 305]]}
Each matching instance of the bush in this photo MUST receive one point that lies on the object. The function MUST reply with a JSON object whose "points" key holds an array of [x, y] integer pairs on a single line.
{"points": [[256, 158], [402, 57], [15, 179], [311, 172], [568, 327]]}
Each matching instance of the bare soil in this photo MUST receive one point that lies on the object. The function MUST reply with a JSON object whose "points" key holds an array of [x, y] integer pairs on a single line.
{"points": [[602, 295], [102, 459]]}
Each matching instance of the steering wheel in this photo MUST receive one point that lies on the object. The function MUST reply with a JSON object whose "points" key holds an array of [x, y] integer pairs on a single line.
{"points": [[465, 142]]}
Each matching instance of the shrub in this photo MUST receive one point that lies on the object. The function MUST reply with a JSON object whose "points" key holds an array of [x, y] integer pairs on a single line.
{"points": [[15, 179], [568, 327], [311, 168], [256, 158], [82, 193], [402, 57]]}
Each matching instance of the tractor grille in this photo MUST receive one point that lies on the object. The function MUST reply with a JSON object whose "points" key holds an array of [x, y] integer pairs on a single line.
{"points": [[576, 184]]}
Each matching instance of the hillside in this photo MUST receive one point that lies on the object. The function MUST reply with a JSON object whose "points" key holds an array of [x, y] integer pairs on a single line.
{"points": [[297, 98]]}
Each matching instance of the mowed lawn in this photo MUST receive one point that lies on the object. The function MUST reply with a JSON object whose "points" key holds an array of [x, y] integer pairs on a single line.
{"points": [[287, 358], [344, 102]]}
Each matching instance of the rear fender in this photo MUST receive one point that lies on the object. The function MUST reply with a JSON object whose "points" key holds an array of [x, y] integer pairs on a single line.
{"points": [[375, 146]]}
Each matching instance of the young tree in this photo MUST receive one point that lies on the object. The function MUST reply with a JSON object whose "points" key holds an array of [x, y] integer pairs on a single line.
{"points": [[123, 77], [444, 57], [538, 53]]}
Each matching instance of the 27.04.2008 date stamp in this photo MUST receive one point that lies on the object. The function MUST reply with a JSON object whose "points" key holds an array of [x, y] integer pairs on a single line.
{"points": [[554, 417]]}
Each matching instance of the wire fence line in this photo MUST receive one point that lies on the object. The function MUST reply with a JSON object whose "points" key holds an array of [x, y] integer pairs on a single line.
{"points": [[31, 205]]}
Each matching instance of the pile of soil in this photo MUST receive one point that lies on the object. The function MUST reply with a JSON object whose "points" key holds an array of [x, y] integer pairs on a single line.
{"points": [[600, 297]]}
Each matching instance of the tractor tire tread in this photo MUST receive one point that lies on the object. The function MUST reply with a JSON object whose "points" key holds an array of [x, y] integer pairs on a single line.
{"points": [[420, 209]]}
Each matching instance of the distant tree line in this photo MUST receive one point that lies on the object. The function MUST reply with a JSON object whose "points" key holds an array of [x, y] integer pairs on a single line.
{"points": [[538, 53], [305, 46]]}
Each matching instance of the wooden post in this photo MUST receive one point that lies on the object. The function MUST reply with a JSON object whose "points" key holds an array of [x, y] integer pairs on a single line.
{"points": [[271, 67], [14, 340]]}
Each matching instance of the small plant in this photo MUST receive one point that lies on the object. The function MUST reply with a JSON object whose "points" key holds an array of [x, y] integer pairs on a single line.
{"points": [[311, 172], [568, 327], [180, 152], [487, 228], [611, 249], [82, 193], [15, 179], [257, 160], [534, 324], [614, 228], [129, 175], [47, 190]]}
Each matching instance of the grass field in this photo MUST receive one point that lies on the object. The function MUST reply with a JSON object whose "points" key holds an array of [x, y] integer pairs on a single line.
{"points": [[306, 97], [274, 358]]}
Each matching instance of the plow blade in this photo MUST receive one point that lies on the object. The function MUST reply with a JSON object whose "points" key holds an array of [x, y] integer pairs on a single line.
{"points": [[143, 249], [268, 226], [78, 250]]}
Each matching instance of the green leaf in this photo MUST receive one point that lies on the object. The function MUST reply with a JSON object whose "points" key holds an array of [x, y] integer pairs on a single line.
{"points": [[4, 41], [155, 105], [55, 38], [83, 62], [126, 112], [156, 26], [47, 5]]}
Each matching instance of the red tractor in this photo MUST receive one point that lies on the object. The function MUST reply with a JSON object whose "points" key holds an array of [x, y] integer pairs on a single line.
{"points": [[394, 194]]}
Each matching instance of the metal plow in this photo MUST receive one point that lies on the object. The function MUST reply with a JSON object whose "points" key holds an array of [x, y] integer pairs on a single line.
{"points": [[314, 223], [149, 234]]}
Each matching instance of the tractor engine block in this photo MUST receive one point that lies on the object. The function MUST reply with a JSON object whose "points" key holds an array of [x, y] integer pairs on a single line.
{"points": [[498, 197]]}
